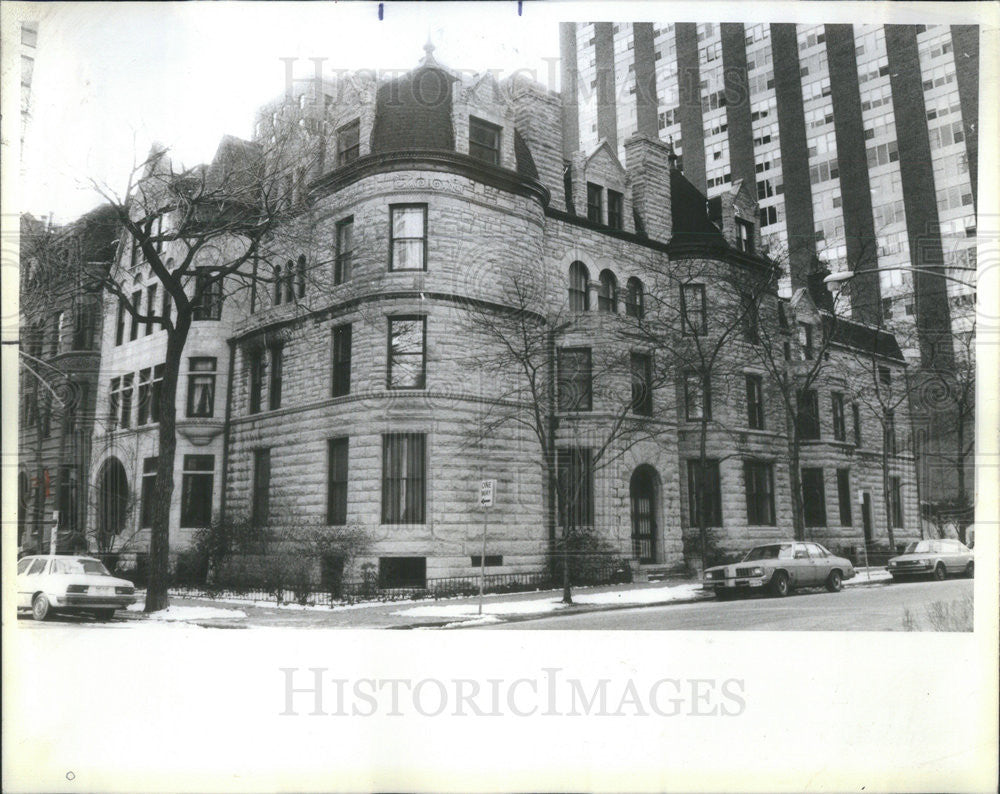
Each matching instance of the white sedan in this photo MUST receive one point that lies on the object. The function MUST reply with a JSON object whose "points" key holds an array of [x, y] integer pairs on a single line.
{"points": [[51, 583]]}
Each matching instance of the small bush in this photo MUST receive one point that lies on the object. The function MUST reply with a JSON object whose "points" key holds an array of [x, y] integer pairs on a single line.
{"points": [[592, 560], [954, 615]]}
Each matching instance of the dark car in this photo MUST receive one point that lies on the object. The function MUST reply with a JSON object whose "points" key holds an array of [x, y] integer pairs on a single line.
{"points": [[778, 568]]}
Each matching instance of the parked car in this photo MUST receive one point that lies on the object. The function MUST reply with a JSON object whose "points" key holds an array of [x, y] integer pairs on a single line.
{"points": [[936, 558], [780, 567], [52, 583]]}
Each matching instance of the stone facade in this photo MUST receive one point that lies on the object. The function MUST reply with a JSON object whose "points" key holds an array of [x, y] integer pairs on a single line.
{"points": [[490, 228]]}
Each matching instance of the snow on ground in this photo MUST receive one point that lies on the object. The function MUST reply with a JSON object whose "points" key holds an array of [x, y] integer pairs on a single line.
{"points": [[647, 595], [869, 575], [643, 595], [175, 613]]}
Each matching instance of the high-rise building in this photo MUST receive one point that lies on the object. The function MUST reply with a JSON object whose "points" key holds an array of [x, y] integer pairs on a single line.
{"points": [[861, 142]]}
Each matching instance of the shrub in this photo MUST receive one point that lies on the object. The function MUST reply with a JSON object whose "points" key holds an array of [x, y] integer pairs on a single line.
{"points": [[592, 560]]}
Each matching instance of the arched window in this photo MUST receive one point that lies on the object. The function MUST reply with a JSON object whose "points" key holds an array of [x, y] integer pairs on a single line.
{"points": [[607, 296], [300, 277], [634, 298], [579, 278], [277, 285]]}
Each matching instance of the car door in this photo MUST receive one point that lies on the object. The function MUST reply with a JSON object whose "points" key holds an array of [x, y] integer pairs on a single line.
{"points": [[958, 556], [822, 562], [22, 581], [32, 581], [802, 567]]}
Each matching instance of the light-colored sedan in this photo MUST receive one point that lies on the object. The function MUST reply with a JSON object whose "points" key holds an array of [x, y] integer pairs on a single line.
{"points": [[936, 558], [51, 583], [780, 567]]}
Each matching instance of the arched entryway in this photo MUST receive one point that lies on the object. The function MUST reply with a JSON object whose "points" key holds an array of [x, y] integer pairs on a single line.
{"points": [[642, 493], [112, 501]]}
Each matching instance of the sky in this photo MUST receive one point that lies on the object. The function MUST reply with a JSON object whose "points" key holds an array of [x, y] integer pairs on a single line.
{"points": [[111, 79]]}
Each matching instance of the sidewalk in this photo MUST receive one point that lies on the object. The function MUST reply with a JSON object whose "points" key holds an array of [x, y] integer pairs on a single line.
{"points": [[443, 613]]}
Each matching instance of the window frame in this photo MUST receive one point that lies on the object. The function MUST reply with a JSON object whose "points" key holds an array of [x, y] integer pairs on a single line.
{"points": [[146, 491], [744, 236], [577, 382], [260, 495], [348, 154], [844, 497], [815, 516], [276, 356], [479, 148], [642, 402], [713, 482], [209, 292], [343, 260], [337, 486], [607, 293], [256, 378], [340, 364], [191, 476], [576, 463], [687, 327], [808, 398], [579, 299], [595, 202], [635, 298], [396, 507], [756, 419], [616, 209], [390, 358], [692, 376], [423, 207], [205, 377], [838, 416], [760, 501]]}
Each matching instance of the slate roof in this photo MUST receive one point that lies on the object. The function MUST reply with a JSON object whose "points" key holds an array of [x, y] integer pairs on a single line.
{"points": [[413, 112]]}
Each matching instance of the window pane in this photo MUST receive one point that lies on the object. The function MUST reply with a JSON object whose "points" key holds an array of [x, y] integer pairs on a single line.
{"points": [[406, 352], [403, 480], [336, 505]]}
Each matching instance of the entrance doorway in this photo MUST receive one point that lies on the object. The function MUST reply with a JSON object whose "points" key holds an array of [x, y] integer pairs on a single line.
{"points": [[112, 507], [642, 493]]}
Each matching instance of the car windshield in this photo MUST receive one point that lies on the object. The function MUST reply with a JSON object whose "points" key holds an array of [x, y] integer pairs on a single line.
{"points": [[919, 547], [771, 552], [79, 565]]}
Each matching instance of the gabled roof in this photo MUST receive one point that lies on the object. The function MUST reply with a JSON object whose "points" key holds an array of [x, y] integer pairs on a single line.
{"points": [[862, 337]]}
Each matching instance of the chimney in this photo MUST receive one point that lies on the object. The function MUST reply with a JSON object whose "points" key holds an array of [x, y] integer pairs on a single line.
{"points": [[537, 120], [648, 163]]}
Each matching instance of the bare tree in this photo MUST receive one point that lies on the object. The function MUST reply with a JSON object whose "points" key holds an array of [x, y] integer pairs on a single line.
{"points": [[542, 387], [203, 233]]}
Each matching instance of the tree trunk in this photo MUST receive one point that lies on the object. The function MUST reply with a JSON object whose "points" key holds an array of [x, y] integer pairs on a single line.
{"points": [[795, 480], [703, 491], [886, 499], [159, 543]]}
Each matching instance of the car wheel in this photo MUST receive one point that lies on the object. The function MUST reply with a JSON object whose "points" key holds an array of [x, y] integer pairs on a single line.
{"points": [[939, 571], [834, 582], [40, 607], [104, 615], [723, 595], [970, 569], [779, 585]]}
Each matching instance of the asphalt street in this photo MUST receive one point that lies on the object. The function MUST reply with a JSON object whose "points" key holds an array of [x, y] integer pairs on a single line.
{"points": [[857, 608]]}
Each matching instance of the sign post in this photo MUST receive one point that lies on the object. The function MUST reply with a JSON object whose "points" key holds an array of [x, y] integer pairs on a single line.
{"points": [[487, 490]]}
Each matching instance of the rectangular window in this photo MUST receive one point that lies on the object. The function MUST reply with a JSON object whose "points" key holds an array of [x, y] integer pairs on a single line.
{"points": [[885, 376], [144, 398], [341, 360], [114, 402], [136, 305], [348, 142], [697, 396], [260, 504], [642, 384], [126, 400], [407, 355], [150, 307], [484, 141], [201, 387], [751, 322], [345, 251], [148, 484], [492, 561], [806, 340], [890, 432], [576, 487], [274, 382], [404, 479], [120, 323], [336, 481], [207, 296], [595, 203], [693, 315], [704, 493], [896, 502], [574, 379], [616, 210], [196, 490], [408, 240], [257, 376], [755, 402], [844, 496], [856, 415], [758, 477], [83, 327], [807, 419], [744, 236], [813, 497], [839, 422]]}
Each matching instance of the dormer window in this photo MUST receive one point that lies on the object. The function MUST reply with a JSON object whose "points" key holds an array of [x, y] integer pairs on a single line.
{"points": [[595, 203], [616, 213], [484, 141], [349, 142], [744, 236]]}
